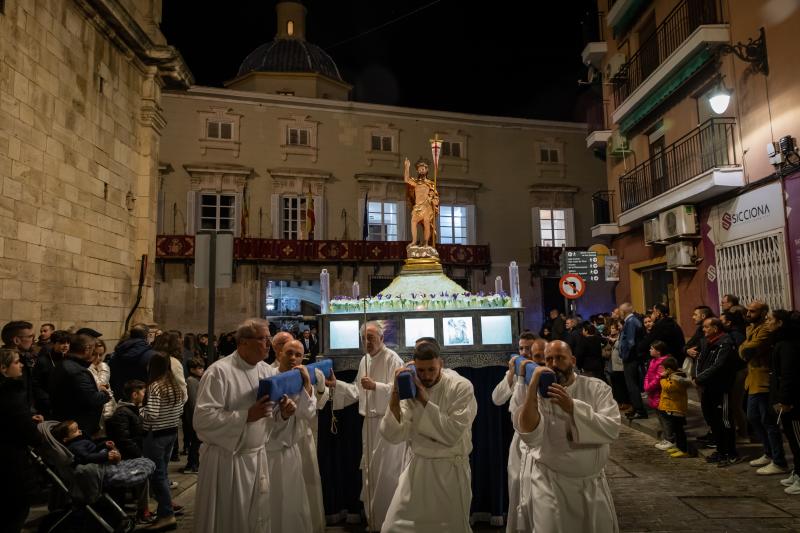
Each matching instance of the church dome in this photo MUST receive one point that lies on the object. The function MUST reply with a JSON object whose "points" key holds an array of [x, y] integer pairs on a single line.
{"points": [[290, 55]]}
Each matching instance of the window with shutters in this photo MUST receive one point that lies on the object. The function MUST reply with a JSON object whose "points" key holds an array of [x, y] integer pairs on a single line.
{"points": [[382, 143], [298, 136], [453, 224], [292, 217], [217, 129], [451, 149], [755, 269], [217, 211], [552, 227], [382, 221]]}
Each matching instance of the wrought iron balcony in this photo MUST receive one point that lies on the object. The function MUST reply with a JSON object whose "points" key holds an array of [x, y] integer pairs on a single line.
{"points": [[603, 207], [709, 146], [684, 19]]}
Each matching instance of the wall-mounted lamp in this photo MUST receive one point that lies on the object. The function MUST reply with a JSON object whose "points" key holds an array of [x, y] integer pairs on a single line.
{"points": [[753, 52], [719, 99]]}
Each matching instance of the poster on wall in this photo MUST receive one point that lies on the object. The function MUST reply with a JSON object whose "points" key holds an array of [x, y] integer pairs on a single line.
{"points": [[612, 268]]}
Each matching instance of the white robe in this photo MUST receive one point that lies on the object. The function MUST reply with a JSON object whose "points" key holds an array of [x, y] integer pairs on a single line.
{"points": [[308, 456], [288, 499], [386, 460], [501, 394], [563, 481], [435, 489], [233, 484]]}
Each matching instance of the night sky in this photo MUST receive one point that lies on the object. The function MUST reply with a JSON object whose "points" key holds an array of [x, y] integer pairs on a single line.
{"points": [[453, 55]]}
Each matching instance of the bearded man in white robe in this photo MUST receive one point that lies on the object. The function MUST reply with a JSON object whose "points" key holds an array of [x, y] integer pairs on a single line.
{"points": [[512, 388], [569, 435], [233, 485], [372, 389], [434, 492]]}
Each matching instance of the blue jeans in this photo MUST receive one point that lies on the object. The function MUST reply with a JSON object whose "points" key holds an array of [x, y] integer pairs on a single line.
{"points": [[765, 424], [158, 448]]}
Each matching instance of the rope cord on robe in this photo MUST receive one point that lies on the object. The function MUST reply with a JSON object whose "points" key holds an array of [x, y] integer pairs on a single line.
{"points": [[334, 429], [368, 452]]}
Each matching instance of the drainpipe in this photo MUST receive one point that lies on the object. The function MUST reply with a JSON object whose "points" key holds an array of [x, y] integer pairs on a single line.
{"points": [[142, 273]]}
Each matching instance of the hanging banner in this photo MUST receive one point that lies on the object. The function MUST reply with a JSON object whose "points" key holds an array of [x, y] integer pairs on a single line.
{"points": [[612, 268]]}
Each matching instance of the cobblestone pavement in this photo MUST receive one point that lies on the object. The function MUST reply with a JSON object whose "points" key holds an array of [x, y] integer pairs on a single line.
{"points": [[652, 492]]}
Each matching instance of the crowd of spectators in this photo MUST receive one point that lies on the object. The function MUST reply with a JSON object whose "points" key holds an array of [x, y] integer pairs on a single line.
{"points": [[743, 365]]}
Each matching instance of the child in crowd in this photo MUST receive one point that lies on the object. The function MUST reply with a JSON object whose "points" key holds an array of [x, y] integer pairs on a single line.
{"points": [[652, 386], [196, 368], [84, 450], [125, 429], [674, 402], [125, 425]]}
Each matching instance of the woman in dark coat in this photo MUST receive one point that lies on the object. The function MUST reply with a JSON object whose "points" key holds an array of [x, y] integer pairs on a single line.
{"points": [[589, 351], [18, 432], [784, 384]]}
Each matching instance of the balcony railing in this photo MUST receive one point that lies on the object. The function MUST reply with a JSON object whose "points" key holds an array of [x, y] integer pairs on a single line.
{"points": [[686, 17], [597, 115], [592, 26], [710, 145], [603, 207]]}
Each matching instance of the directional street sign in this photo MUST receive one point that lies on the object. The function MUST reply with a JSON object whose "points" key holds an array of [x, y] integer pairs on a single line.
{"points": [[572, 286], [582, 263]]}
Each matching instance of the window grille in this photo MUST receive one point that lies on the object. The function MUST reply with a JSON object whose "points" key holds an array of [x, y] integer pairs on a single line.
{"points": [[755, 270]]}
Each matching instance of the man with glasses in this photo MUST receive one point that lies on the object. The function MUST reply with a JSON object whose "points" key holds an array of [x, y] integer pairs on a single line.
{"points": [[18, 335], [233, 485]]}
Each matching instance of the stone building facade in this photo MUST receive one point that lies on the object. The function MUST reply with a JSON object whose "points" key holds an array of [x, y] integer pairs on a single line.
{"points": [[80, 126], [251, 158]]}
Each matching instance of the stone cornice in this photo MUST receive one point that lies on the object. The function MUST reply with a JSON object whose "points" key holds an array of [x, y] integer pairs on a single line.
{"points": [[447, 183], [553, 187], [288, 173], [111, 18], [390, 113]]}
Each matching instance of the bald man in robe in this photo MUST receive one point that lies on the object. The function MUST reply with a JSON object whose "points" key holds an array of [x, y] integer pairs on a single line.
{"points": [[569, 434]]}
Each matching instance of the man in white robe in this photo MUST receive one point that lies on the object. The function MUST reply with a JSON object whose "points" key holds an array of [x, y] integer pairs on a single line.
{"points": [[233, 484], [288, 499], [287, 357], [372, 390], [569, 435], [435, 489], [507, 389]]}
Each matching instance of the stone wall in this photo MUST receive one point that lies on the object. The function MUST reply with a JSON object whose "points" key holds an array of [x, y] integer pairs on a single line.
{"points": [[80, 120]]}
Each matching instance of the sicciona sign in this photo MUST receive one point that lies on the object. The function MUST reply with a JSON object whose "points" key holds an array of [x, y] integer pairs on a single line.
{"points": [[752, 213]]}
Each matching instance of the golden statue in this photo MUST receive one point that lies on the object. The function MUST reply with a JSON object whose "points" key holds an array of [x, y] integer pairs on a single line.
{"points": [[426, 204]]}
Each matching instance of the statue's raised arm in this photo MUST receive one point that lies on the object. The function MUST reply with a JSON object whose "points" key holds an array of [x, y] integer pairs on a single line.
{"points": [[407, 172]]}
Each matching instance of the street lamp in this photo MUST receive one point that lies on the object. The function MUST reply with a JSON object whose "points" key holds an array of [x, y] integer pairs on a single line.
{"points": [[719, 99], [754, 52]]}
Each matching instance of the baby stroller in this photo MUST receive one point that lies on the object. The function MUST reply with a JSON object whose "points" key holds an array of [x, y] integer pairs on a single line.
{"points": [[79, 488]]}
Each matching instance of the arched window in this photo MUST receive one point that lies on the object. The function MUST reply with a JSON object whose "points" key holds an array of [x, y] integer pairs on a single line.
{"points": [[290, 27]]}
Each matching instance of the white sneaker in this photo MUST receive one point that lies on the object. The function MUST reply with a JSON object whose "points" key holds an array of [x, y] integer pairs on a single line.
{"points": [[665, 445], [792, 479], [794, 488], [173, 484], [761, 461], [771, 469]]}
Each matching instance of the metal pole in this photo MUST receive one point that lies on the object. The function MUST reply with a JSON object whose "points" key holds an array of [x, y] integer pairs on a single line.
{"points": [[212, 294]]}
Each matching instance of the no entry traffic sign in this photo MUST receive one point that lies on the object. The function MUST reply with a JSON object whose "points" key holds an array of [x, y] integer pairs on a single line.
{"points": [[572, 286]]}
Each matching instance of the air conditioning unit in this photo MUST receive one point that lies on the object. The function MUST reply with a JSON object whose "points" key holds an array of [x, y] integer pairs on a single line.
{"points": [[615, 63], [681, 256], [618, 145], [652, 232], [679, 222]]}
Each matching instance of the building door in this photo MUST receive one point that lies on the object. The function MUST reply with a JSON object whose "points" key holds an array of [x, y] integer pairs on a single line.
{"points": [[648, 46], [551, 297], [658, 167], [659, 288]]}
